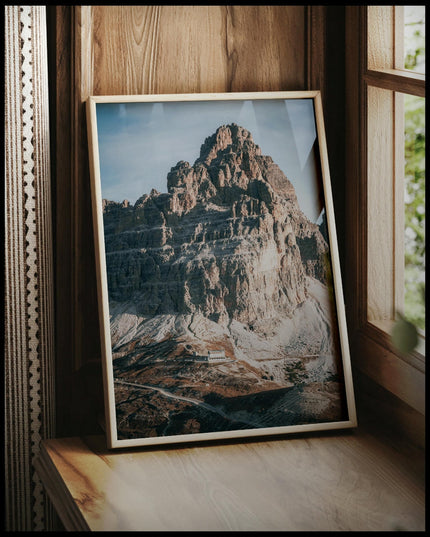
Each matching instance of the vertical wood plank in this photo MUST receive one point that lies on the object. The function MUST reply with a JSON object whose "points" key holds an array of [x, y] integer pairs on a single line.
{"points": [[399, 203], [59, 27], [124, 41], [201, 51], [332, 75], [380, 37], [380, 203], [355, 175], [316, 38], [266, 48], [86, 335], [399, 37]]}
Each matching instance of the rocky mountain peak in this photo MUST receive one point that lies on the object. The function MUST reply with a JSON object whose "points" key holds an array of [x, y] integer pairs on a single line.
{"points": [[230, 166], [228, 239], [228, 139]]}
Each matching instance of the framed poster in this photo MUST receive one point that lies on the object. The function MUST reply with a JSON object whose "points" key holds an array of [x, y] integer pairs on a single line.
{"points": [[221, 305]]}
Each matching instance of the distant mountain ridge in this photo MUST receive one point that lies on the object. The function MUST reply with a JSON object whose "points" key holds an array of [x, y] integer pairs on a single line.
{"points": [[228, 240]]}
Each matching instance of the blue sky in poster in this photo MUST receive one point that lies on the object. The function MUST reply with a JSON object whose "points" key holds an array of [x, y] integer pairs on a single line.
{"points": [[140, 142]]}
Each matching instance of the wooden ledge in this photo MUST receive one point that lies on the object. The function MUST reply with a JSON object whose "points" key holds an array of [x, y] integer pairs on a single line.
{"points": [[344, 481]]}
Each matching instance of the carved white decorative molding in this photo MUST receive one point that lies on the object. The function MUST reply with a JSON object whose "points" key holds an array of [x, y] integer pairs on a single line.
{"points": [[29, 329]]}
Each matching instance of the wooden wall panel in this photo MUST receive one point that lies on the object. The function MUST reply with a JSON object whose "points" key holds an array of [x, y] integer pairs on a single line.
{"points": [[108, 50], [193, 49]]}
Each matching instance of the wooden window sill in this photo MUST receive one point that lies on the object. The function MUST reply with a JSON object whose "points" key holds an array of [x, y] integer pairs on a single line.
{"points": [[404, 376], [339, 481]]}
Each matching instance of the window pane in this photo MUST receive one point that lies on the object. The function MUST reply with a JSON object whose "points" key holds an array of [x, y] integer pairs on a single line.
{"points": [[414, 38], [414, 307]]}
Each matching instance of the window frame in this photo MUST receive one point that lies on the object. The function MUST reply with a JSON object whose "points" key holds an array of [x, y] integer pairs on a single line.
{"points": [[372, 64]]}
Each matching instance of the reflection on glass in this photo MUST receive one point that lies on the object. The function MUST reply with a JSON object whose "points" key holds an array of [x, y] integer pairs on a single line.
{"points": [[415, 210], [414, 38]]}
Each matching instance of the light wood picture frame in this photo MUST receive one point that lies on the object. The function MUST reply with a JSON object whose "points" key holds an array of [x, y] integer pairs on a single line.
{"points": [[220, 295]]}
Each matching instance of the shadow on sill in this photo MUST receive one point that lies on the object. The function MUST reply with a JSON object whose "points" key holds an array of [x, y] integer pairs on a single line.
{"points": [[386, 417]]}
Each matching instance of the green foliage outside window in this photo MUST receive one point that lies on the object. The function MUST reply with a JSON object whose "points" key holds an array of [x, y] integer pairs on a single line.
{"points": [[414, 308], [415, 210], [414, 38]]}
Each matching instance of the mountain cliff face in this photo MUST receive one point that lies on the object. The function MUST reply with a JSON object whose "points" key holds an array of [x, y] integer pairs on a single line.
{"points": [[227, 241], [224, 261]]}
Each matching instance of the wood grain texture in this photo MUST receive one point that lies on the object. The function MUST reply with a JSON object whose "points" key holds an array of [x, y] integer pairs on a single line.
{"points": [[332, 67], [399, 202], [391, 371], [59, 27], [333, 483], [316, 51], [396, 80], [196, 49], [355, 175], [380, 204], [380, 43]]}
